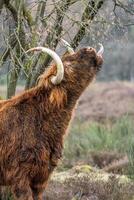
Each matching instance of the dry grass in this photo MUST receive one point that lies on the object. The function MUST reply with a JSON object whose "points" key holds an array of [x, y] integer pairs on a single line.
{"points": [[106, 101], [81, 183]]}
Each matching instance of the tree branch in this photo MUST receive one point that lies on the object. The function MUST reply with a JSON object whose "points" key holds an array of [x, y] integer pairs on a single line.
{"points": [[20, 37], [13, 40], [126, 8], [13, 10], [42, 11], [1, 5], [88, 15], [28, 17], [54, 34], [51, 41]]}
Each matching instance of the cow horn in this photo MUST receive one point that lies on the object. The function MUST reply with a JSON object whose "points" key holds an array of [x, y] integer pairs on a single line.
{"points": [[60, 68], [101, 51], [68, 46]]}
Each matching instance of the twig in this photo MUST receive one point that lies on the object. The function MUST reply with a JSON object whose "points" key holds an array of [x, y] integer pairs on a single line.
{"points": [[88, 15]]}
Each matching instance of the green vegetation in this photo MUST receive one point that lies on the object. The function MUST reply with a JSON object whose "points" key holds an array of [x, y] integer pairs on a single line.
{"points": [[86, 137]]}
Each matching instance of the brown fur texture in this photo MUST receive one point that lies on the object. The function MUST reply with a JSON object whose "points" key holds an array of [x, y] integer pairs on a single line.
{"points": [[32, 125], [3, 102]]}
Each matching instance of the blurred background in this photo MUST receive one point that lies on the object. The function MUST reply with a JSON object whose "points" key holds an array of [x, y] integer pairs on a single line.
{"points": [[102, 132]]}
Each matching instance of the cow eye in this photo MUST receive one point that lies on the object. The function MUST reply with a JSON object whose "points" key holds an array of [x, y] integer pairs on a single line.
{"points": [[83, 54], [93, 61]]}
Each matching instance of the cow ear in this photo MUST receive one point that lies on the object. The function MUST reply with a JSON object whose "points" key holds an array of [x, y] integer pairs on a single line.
{"points": [[58, 97]]}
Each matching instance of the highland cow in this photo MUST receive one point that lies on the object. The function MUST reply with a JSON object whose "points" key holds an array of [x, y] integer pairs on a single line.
{"points": [[33, 124]]}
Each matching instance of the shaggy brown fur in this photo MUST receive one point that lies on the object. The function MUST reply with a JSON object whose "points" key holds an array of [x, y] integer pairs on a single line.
{"points": [[32, 125], [4, 102]]}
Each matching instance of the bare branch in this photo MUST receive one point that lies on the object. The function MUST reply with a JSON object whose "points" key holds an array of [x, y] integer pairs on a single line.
{"points": [[42, 11], [53, 36], [27, 15], [127, 8], [1, 5], [52, 39], [13, 10], [12, 42], [88, 15]]}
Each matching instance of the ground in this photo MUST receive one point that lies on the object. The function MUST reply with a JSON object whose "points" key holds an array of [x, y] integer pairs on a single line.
{"points": [[82, 183], [106, 101]]}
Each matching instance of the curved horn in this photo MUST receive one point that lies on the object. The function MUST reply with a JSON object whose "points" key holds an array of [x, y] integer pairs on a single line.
{"points": [[60, 68], [101, 51], [68, 46]]}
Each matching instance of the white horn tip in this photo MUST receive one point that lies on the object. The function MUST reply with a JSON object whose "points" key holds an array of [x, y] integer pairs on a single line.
{"points": [[68, 46], [101, 51], [64, 41]]}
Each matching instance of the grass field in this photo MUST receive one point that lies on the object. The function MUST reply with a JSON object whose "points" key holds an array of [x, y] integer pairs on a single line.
{"points": [[109, 142]]}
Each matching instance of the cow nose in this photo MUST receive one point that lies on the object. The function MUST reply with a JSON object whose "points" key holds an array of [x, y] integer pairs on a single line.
{"points": [[90, 48]]}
